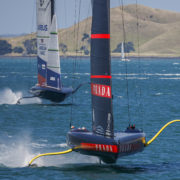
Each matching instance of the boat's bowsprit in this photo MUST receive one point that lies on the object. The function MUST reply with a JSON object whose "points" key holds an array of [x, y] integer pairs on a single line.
{"points": [[107, 149]]}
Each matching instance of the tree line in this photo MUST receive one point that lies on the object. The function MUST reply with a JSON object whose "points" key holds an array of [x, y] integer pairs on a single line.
{"points": [[6, 48], [30, 47]]}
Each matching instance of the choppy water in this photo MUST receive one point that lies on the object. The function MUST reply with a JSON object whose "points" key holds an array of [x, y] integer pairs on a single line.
{"points": [[36, 126]]}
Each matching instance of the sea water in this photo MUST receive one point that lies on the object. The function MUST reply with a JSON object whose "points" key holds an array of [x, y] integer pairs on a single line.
{"points": [[146, 92]]}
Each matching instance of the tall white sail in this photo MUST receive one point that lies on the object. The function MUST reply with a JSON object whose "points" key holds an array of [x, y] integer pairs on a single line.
{"points": [[122, 51], [53, 64], [123, 58], [47, 45], [43, 23]]}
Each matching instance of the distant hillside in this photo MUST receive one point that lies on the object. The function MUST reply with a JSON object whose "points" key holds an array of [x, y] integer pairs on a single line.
{"points": [[159, 33]]}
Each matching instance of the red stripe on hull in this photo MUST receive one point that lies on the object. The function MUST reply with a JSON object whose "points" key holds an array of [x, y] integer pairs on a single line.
{"points": [[100, 147], [101, 90], [101, 76], [100, 36], [41, 80]]}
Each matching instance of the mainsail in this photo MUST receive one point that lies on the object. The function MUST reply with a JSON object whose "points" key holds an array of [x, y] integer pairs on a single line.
{"points": [[101, 70], [47, 45], [122, 51]]}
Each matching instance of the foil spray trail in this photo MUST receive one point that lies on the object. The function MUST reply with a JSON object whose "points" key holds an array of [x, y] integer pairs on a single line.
{"points": [[17, 151], [10, 97]]}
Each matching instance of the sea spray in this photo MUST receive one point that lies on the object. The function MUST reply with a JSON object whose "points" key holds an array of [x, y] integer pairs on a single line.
{"points": [[15, 151], [33, 100], [64, 159], [9, 97], [18, 151]]}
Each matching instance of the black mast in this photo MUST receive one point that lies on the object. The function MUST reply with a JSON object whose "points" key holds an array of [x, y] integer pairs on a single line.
{"points": [[52, 8], [102, 118]]}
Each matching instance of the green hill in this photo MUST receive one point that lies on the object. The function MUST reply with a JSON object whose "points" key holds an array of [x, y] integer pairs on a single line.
{"points": [[158, 33]]}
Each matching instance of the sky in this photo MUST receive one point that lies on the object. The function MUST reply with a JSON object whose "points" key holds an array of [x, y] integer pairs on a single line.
{"points": [[19, 16]]}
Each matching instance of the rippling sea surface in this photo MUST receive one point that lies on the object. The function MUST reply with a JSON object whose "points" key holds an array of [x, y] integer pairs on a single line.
{"points": [[146, 92]]}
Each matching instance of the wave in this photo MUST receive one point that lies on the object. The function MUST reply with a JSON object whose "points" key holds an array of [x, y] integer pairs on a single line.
{"points": [[176, 78], [158, 94], [147, 74]]}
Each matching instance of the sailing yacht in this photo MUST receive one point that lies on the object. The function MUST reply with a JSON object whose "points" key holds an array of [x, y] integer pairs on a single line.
{"points": [[102, 141], [123, 58], [49, 72]]}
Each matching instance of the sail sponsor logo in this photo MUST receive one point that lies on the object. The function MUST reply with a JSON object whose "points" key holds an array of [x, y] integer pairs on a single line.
{"points": [[101, 90], [42, 53], [129, 147], [41, 2], [43, 66], [42, 48], [100, 147], [52, 78], [43, 27], [41, 80]]}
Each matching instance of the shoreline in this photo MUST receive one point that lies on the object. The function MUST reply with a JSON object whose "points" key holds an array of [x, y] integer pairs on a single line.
{"points": [[87, 57]]}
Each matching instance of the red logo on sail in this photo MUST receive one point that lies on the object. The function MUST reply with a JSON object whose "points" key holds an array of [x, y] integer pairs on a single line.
{"points": [[41, 80], [101, 90]]}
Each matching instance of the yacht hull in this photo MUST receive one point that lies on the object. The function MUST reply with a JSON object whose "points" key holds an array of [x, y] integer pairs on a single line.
{"points": [[107, 149], [54, 95]]}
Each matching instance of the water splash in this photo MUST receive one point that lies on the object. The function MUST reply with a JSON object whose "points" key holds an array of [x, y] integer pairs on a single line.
{"points": [[15, 152], [18, 151], [34, 100], [66, 159], [9, 97]]}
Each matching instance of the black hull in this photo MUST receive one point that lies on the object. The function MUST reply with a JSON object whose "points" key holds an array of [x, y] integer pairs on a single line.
{"points": [[107, 149], [53, 95]]}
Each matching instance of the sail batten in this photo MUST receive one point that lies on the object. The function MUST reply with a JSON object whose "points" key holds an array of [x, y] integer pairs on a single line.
{"points": [[102, 122]]}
